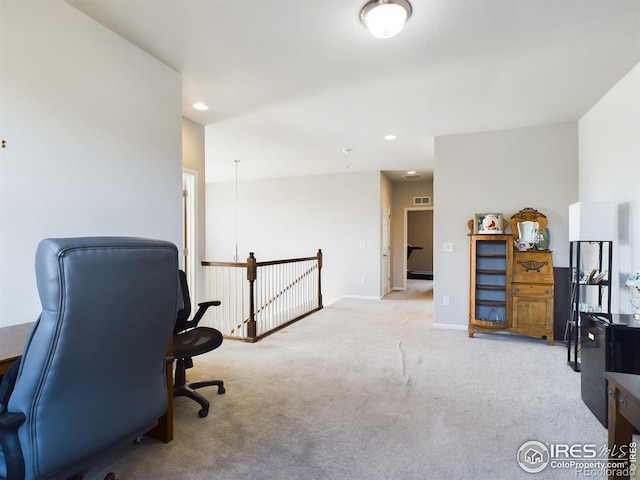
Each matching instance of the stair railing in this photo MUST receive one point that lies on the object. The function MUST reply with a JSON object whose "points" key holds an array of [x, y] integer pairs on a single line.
{"points": [[260, 298]]}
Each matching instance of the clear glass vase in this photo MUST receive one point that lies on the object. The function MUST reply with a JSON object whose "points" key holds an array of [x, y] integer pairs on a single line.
{"points": [[635, 302], [541, 238]]}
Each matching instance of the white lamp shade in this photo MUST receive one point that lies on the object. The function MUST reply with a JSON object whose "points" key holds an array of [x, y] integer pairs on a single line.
{"points": [[385, 20], [592, 221]]}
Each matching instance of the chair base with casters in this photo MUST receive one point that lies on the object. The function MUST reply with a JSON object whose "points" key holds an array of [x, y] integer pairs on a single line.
{"points": [[186, 344], [185, 389]]}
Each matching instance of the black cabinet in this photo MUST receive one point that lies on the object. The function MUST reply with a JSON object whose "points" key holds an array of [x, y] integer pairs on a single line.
{"points": [[561, 297], [609, 342]]}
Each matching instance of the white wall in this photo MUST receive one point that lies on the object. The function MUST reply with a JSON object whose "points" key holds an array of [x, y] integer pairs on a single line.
{"points": [[609, 139], [93, 131], [500, 171], [294, 217], [193, 161]]}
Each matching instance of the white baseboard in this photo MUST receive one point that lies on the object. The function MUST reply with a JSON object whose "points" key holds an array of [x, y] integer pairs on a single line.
{"points": [[449, 326], [361, 297], [330, 302]]}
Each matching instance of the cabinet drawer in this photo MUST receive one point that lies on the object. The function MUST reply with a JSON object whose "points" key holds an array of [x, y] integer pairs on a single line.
{"points": [[530, 290], [532, 266], [628, 407]]}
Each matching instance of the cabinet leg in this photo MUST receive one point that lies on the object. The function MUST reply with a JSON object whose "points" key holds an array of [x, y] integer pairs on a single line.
{"points": [[471, 332]]}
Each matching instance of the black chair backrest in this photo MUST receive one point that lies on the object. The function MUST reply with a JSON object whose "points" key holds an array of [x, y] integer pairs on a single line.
{"points": [[183, 314]]}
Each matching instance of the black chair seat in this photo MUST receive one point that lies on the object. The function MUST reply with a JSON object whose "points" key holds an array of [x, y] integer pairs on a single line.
{"points": [[196, 342]]}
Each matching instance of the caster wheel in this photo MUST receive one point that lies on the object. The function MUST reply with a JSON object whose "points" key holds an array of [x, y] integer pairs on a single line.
{"points": [[203, 412], [221, 390]]}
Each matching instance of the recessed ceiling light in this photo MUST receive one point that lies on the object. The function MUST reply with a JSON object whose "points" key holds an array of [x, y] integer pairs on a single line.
{"points": [[348, 167], [346, 150], [200, 106], [411, 172], [391, 136]]}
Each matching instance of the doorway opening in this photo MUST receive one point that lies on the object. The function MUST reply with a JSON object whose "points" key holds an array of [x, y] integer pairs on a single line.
{"points": [[418, 238], [386, 249], [188, 227]]}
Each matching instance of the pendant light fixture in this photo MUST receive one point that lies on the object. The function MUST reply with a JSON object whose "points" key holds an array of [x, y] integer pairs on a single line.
{"points": [[385, 18], [236, 257]]}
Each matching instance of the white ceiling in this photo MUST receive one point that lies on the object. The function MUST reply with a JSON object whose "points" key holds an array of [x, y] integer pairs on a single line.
{"points": [[290, 83]]}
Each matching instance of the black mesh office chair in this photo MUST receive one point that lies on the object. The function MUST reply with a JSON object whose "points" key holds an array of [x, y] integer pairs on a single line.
{"points": [[190, 340]]}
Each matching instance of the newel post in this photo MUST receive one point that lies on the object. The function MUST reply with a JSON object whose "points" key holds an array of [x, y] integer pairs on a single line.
{"points": [[319, 278], [252, 272]]}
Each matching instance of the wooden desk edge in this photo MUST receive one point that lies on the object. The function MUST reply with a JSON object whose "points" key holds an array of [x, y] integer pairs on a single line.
{"points": [[164, 429], [5, 363], [620, 426], [12, 341]]}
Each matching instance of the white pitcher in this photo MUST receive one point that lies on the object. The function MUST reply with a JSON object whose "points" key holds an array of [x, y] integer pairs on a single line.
{"points": [[527, 231]]}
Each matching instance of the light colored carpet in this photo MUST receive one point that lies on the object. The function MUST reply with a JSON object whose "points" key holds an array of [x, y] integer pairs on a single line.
{"points": [[370, 390]]}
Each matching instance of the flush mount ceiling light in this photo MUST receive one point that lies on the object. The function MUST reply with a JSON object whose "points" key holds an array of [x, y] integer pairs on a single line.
{"points": [[200, 106], [390, 137], [385, 18]]}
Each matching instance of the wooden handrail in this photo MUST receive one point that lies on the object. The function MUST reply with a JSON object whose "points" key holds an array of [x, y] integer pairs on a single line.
{"points": [[288, 260], [222, 264], [259, 264]]}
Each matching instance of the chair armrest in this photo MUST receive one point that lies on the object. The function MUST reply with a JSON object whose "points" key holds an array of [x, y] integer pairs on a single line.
{"points": [[202, 309], [212, 303], [10, 420]]}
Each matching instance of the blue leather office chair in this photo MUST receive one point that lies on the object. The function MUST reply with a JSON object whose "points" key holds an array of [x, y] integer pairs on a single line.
{"points": [[92, 375]]}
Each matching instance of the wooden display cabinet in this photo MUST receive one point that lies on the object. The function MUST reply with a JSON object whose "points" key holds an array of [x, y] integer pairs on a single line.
{"points": [[532, 284], [490, 279], [532, 294], [510, 290]]}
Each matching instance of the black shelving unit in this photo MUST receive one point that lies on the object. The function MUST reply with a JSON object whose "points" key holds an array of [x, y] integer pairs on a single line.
{"points": [[590, 287]]}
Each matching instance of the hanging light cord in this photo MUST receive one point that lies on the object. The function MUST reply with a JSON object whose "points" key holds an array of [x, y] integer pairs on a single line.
{"points": [[236, 257]]}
